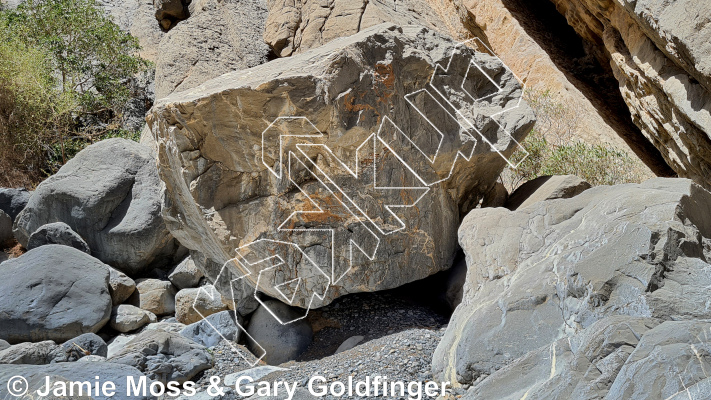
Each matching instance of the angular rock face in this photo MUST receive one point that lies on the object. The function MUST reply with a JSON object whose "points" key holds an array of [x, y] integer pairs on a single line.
{"points": [[297, 26], [263, 160], [137, 17], [520, 33], [219, 37], [546, 188], [53, 292], [164, 356], [551, 270], [659, 51], [110, 195]]}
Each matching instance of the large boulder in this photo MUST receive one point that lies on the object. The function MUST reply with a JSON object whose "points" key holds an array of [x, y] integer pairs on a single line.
{"points": [[219, 37], [57, 233], [53, 292], [164, 356], [659, 53], [553, 269], [232, 185], [278, 343], [115, 206], [74, 372]]}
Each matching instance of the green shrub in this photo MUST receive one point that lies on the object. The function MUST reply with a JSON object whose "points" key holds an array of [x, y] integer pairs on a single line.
{"points": [[64, 71], [552, 151]]}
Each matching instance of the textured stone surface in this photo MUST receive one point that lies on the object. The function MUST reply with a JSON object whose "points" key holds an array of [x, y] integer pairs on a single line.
{"points": [[84, 345], [546, 188], [137, 17], [57, 233], [659, 51], [221, 196], [6, 236], [12, 201], [216, 327], [192, 305], [186, 274], [29, 353], [219, 37], [115, 206], [583, 366], [297, 26], [120, 286], [127, 318], [534, 50], [68, 372], [554, 268], [155, 296], [53, 293], [281, 343], [164, 356]]}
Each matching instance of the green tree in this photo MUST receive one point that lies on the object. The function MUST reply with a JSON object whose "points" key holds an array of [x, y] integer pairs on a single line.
{"points": [[64, 71]]}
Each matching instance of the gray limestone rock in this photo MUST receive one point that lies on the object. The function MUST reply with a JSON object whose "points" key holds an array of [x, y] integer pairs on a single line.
{"points": [[211, 330], [281, 343], [164, 356], [57, 233], [53, 292], [554, 268], [110, 194], [546, 188]]}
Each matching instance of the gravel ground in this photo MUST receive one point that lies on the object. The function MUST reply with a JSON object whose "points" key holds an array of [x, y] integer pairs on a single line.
{"points": [[400, 335]]}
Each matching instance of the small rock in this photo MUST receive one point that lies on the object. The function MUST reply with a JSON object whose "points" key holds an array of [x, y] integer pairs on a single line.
{"points": [[77, 348], [281, 343], [12, 201], [254, 373], [6, 236], [186, 274], [121, 286], [165, 326], [350, 343], [192, 305], [92, 358], [118, 343], [4, 345], [155, 296], [127, 318], [39, 353], [164, 356], [211, 330], [57, 233]]}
